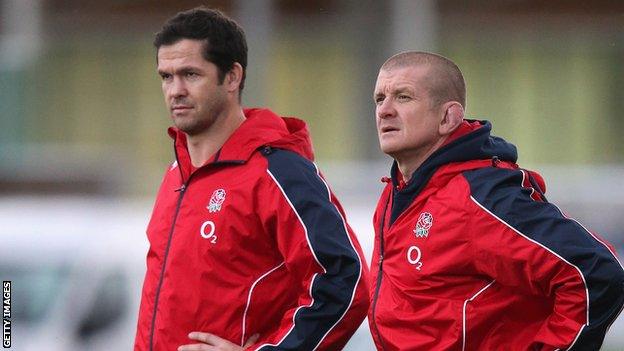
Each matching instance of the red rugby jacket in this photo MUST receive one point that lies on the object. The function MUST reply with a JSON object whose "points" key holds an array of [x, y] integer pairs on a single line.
{"points": [[469, 255], [252, 242]]}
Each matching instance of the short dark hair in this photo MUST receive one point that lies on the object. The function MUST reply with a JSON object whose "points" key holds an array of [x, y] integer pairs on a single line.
{"points": [[445, 81], [224, 40]]}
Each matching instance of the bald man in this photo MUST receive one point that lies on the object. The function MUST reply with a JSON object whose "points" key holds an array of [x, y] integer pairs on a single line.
{"points": [[469, 254]]}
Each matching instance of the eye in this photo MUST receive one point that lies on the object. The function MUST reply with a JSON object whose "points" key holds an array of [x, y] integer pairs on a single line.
{"points": [[403, 97], [191, 74], [165, 76], [379, 99]]}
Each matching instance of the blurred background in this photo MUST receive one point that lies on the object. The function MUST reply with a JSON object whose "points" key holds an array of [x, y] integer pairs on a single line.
{"points": [[83, 141]]}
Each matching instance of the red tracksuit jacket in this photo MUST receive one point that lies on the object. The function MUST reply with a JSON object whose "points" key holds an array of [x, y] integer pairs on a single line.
{"points": [[469, 255], [251, 242]]}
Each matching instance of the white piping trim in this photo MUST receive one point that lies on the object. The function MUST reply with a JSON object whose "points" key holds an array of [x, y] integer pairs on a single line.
{"points": [[522, 184], [249, 298], [293, 318], [592, 234], [305, 229], [357, 282], [464, 312], [547, 249], [614, 256], [575, 339], [344, 223], [595, 238]]}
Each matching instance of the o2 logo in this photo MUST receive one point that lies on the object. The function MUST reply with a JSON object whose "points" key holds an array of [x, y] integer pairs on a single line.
{"points": [[413, 256], [207, 231]]}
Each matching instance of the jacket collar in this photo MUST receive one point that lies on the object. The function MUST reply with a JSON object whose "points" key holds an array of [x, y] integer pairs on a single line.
{"points": [[261, 127], [471, 141]]}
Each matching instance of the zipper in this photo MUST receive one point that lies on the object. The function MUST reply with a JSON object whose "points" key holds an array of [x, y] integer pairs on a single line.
{"points": [[380, 272], [182, 191]]}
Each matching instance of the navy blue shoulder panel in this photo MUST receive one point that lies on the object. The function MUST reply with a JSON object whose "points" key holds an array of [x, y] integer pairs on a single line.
{"points": [[500, 191], [333, 290]]}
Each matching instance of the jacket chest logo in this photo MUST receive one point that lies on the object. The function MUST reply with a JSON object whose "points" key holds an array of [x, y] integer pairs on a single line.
{"points": [[216, 200], [424, 223]]}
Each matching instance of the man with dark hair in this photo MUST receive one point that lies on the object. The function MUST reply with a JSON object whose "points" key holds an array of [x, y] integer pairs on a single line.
{"points": [[249, 248], [469, 254], [223, 40]]}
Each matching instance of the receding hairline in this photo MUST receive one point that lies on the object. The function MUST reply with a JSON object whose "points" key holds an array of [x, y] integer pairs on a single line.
{"points": [[447, 80], [414, 58]]}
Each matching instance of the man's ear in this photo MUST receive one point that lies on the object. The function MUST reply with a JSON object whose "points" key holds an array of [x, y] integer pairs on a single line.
{"points": [[234, 77], [453, 116]]}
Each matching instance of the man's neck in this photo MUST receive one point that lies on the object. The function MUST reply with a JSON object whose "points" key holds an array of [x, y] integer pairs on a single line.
{"points": [[202, 146], [408, 163]]}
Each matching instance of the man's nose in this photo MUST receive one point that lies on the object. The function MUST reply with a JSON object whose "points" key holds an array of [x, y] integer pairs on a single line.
{"points": [[177, 88], [386, 109]]}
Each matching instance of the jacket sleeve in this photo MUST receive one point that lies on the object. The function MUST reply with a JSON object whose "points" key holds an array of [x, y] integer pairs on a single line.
{"points": [[532, 246], [320, 253]]}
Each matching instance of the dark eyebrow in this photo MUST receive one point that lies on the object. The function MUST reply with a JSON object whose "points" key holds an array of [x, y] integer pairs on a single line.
{"points": [[187, 69], [181, 70]]}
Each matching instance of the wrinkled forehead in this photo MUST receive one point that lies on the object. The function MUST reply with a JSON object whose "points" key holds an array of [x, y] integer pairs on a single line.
{"points": [[414, 77]]}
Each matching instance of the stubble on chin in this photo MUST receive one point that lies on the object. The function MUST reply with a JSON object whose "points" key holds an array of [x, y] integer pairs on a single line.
{"points": [[195, 124], [192, 125]]}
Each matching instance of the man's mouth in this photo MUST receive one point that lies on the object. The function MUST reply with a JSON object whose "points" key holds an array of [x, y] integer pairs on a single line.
{"points": [[180, 108], [389, 129]]}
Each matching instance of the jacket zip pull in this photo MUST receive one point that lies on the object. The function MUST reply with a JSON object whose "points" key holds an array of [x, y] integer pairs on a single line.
{"points": [[181, 189], [495, 161]]}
